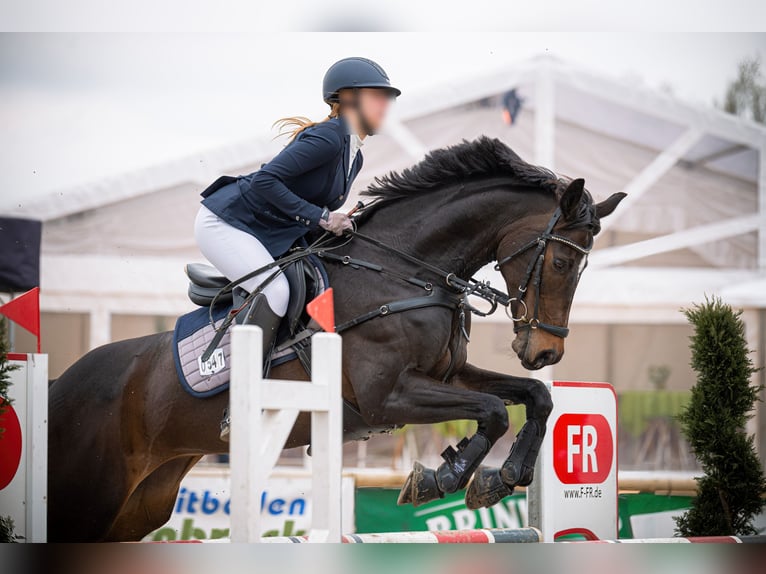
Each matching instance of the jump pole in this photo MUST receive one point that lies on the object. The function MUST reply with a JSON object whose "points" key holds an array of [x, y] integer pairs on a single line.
{"points": [[479, 536], [263, 412]]}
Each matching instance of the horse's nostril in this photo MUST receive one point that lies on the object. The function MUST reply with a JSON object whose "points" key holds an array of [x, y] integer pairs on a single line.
{"points": [[544, 358]]}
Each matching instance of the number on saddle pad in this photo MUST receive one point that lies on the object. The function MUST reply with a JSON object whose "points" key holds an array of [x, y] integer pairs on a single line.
{"points": [[213, 365]]}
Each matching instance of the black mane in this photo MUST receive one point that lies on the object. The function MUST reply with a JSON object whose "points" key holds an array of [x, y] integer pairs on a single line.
{"points": [[482, 158], [469, 160]]}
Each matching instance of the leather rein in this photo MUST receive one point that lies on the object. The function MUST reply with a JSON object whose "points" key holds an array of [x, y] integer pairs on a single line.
{"points": [[464, 288]]}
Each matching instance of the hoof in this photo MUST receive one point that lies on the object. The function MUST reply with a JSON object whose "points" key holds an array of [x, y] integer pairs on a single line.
{"points": [[487, 489], [420, 487], [405, 494]]}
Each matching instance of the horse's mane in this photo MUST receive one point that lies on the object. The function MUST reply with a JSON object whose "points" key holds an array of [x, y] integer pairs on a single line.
{"points": [[482, 158], [469, 160]]}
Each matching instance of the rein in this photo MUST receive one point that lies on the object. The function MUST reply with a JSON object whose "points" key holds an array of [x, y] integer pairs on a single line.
{"points": [[481, 289]]}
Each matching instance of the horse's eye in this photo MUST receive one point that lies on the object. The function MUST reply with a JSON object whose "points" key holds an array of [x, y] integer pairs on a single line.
{"points": [[560, 264]]}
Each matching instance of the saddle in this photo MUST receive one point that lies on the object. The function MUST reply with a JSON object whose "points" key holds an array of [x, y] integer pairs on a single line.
{"points": [[306, 277]]}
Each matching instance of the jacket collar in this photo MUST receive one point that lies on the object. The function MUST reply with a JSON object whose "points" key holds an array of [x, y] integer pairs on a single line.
{"points": [[347, 176]]}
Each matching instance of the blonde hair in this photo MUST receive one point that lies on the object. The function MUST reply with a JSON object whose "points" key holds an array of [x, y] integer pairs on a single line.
{"points": [[293, 125]]}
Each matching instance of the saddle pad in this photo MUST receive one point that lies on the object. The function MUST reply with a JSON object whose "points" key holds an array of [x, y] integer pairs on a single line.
{"points": [[193, 333]]}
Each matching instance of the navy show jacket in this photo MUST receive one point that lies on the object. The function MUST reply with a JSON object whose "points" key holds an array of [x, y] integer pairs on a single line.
{"points": [[282, 201]]}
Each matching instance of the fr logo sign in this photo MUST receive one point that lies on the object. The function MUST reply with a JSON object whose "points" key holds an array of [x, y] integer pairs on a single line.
{"points": [[582, 448]]}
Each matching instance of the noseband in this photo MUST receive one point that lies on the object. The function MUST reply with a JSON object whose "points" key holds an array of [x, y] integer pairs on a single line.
{"points": [[533, 276]]}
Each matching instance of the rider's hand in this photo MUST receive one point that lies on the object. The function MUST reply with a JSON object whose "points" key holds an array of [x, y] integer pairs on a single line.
{"points": [[337, 223]]}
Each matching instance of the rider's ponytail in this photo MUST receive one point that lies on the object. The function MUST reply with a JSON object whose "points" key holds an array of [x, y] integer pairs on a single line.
{"points": [[294, 125]]}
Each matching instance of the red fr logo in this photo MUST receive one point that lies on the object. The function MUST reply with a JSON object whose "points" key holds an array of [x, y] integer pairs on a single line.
{"points": [[582, 448]]}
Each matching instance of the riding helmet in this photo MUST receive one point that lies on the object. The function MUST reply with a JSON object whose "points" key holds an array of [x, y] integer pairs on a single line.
{"points": [[355, 73]]}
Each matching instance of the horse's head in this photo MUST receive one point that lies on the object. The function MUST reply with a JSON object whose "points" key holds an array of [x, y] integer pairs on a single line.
{"points": [[542, 266]]}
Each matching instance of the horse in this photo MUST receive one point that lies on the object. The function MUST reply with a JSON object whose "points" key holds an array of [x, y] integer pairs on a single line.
{"points": [[123, 432]]}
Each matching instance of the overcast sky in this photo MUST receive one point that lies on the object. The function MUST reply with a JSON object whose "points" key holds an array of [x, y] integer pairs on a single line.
{"points": [[78, 107]]}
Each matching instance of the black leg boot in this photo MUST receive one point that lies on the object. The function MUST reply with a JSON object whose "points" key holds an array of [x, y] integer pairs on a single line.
{"points": [[259, 313]]}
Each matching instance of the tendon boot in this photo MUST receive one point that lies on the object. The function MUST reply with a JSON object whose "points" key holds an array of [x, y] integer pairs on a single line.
{"points": [[519, 467], [491, 485], [259, 313]]}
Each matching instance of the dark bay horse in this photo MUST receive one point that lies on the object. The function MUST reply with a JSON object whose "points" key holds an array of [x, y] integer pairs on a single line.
{"points": [[123, 433]]}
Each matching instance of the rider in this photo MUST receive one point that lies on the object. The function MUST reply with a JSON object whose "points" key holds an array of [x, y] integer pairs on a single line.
{"points": [[250, 220], [246, 222]]}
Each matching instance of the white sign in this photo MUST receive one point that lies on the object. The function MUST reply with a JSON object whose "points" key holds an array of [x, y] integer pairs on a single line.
{"points": [[24, 448], [203, 505], [215, 364], [575, 486]]}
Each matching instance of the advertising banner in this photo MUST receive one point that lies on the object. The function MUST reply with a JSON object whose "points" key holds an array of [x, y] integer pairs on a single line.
{"points": [[203, 506], [376, 511], [202, 510]]}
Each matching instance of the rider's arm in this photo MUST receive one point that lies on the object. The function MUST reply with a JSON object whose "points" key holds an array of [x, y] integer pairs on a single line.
{"points": [[314, 148]]}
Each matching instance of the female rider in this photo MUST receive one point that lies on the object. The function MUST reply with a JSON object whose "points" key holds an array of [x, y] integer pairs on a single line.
{"points": [[246, 222]]}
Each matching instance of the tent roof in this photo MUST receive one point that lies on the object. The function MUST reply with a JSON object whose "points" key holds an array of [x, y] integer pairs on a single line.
{"points": [[607, 106]]}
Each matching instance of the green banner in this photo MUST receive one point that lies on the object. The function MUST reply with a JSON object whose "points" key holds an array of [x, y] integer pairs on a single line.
{"points": [[376, 511], [646, 506]]}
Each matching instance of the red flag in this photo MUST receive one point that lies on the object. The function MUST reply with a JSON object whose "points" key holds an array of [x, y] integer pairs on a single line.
{"points": [[24, 310], [322, 310]]}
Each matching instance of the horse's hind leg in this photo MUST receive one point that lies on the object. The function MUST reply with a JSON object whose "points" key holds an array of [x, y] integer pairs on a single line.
{"points": [[492, 485], [418, 399], [151, 503]]}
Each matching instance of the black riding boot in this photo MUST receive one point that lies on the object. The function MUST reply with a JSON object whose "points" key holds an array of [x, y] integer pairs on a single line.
{"points": [[259, 313]]}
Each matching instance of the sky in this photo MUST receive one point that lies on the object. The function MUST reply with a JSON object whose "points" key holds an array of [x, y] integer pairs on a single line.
{"points": [[78, 107]]}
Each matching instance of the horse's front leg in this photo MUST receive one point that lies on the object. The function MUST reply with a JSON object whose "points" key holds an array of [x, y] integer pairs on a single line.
{"points": [[490, 485], [419, 399]]}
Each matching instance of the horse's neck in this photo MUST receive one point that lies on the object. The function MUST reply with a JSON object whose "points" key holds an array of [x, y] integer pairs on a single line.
{"points": [[458, 229]]}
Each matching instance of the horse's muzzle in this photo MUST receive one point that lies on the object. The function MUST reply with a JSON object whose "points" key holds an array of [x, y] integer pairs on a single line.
{"points": [[532, 359], [543, 359]]}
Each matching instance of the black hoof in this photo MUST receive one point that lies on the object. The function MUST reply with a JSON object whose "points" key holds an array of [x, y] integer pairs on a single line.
{"points": [[486, 489], [405, 494], [420, 487]]}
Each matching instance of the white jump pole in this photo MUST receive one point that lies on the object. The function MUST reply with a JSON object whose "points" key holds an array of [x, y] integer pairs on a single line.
{"points": [[263, 412]]}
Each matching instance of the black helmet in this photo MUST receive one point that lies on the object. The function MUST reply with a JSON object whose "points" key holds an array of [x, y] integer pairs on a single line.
{"points": [[354, 73]]}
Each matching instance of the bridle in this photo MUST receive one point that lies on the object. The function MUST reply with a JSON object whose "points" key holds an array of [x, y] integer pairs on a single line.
{"points": [[533, 276]]}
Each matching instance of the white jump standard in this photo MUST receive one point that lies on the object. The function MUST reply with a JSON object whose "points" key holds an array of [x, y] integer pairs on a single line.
{"points": [[263, 413]]}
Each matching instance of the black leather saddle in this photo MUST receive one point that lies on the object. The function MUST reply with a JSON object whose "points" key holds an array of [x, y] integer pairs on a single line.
{"points": [[205, 281]]}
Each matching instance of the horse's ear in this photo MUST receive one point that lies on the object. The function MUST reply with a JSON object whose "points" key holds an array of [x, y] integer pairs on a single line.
{"points": [[606, 207], [570, 201]]}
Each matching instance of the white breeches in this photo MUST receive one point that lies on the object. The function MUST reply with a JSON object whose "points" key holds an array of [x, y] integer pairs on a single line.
{"points": [[236, 253]]}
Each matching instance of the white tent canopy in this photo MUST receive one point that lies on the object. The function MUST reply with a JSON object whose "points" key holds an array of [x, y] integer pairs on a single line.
{"points": [[694, 222]]}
